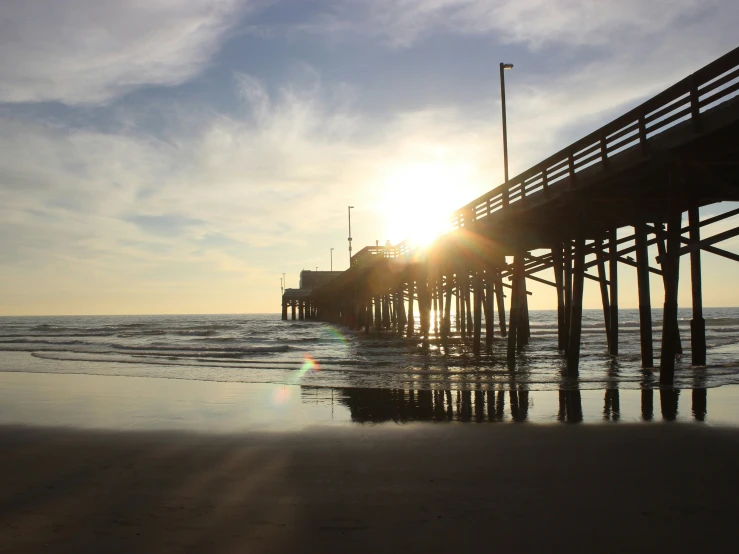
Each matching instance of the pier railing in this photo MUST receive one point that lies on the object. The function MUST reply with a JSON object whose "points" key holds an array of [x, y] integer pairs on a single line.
{"points": [[369, 254], [686, 100]]}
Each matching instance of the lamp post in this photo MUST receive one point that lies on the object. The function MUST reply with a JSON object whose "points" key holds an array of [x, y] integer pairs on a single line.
{"points": [[282, 287], [332, 259], [284, 281], [503, 67], [350, 235]]}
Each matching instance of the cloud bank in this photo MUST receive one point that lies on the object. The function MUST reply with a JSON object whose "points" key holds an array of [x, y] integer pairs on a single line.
{"points": [[189, 203]]}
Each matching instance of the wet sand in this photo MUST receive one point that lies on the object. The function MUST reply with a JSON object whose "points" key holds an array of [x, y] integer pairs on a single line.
{"points": [[386, 488]]}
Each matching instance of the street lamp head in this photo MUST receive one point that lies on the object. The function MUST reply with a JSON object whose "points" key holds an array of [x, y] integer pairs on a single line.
{"points": [[507, 65], [351, 206]]}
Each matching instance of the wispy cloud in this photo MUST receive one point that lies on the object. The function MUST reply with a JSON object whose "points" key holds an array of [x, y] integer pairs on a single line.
{"points": [[90, 51], [532, 22]]}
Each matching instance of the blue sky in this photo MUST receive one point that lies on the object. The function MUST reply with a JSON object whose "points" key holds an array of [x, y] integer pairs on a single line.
{"points": [[177, 156]]}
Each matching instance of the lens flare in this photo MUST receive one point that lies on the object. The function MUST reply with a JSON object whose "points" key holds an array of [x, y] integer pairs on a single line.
{"points": [[281, 396], [335, 333], [309, 365]]}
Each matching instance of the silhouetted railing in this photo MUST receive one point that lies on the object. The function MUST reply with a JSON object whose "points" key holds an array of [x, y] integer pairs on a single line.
{"points": [[686, 100], [369, 254]]}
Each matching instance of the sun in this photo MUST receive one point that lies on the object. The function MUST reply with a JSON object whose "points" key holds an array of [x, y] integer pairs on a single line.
{"points": [[419, 199]]}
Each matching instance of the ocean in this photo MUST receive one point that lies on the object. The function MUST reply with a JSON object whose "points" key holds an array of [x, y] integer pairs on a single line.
{"points": [[257, 348]]}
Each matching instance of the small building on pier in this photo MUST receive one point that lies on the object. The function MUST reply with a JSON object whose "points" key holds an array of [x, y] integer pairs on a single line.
{"points": [[299, 300]]}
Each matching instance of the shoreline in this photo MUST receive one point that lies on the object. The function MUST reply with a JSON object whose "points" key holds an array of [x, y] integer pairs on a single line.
{"points": [[145, 403]]}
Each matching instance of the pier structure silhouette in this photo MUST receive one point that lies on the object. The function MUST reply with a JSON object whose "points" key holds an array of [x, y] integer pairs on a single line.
{"points": [[368, 405], [582, 213]]}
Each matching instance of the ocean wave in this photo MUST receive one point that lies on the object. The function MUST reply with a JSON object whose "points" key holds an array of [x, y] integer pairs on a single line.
{"points": [[37, 341], [179, 348]]}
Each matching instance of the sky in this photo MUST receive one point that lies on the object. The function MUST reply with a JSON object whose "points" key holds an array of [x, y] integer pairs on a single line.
{"points": [[179, 156]]}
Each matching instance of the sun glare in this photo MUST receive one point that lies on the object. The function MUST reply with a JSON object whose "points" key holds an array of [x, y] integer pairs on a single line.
{"points": [[420, 198]]}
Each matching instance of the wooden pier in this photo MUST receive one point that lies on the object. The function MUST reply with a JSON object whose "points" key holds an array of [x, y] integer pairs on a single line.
{"points": [[580, 214]]}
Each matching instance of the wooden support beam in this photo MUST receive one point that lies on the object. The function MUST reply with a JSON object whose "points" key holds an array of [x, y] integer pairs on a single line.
{"points": [[578, 274], [567, 274], [697, 245], [586, 275], [435, 298], [697, 323], [668, 400], [447, 326], [462, 292], [713, 219], [544, 281], [411, 319], [515, 310], [500, 301], [700, 403], [468, 295], [468, 302], [442, 303], [560, 288], [605, 300], [525, 324], [662, 249], [707, 242], [545, 262], [424, 301], [632, 263], [645, 303], [720, 252], [613, 276], [457, 297], [647, 404], [400, 304], [478, 294], [489, 307], [628, 250]]}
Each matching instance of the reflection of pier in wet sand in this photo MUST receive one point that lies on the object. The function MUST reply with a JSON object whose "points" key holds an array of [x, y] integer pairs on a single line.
{"points": [[370, 405]]}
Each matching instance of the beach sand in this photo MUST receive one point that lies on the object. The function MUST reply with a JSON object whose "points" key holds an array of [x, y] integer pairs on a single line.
{"points": [[372, 488]]}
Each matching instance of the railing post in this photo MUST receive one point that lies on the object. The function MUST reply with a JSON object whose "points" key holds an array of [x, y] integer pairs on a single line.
{"points": [[643, 136], [545, 183], [695, 110], [604, 152], [571, 167], [523, 192]]}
